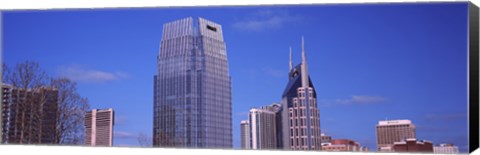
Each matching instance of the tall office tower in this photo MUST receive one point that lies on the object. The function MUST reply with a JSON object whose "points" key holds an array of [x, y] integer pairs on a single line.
{"points": [[391, 131], [300, 115], [99, 127], [28, 115], [192, 91], [263, 127], [245, 134]]}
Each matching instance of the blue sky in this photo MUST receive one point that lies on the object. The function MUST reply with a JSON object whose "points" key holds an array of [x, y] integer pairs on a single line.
{"points": [[368, 62]]}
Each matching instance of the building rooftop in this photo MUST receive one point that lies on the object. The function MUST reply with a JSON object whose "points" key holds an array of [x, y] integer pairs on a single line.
{"points": [[101, 110], [445, 145], [412, 139], [394, 122]]}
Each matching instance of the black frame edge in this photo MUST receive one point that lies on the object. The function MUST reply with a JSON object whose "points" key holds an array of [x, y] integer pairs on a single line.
{"points": [[474, 131]]}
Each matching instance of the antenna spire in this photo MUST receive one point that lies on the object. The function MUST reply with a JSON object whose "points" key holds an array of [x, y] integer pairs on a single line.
{"points": [[303, 52], [291, 65], [304, 67]]}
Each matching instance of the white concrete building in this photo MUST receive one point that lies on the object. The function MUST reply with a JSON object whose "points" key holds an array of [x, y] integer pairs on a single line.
{"points": [[99, 127]]}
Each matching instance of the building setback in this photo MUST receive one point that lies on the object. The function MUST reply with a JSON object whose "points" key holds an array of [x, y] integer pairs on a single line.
{"points": [[192, 87], [445, 149], [300, 115], [391, 131], [99, 127], [245, 134], [412, 145], [28, 115]]}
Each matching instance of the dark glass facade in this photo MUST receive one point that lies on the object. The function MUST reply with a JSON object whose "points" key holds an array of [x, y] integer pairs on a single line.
{"points": [[192, 88]]}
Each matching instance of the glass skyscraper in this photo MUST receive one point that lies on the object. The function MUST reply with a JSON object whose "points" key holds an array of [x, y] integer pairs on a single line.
{"points": [[192, 88]]}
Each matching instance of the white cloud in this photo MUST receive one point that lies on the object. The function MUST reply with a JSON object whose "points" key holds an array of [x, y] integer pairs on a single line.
{"points": [[82, 74], [266, 19], [122, 134], [355, 100], [361, 100]]}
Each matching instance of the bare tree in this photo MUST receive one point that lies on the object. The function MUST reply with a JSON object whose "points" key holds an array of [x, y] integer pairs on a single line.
{"points": [[37, 98], [28, 79], [5, 72], [26, 75], [144, 140], [70, 112]]}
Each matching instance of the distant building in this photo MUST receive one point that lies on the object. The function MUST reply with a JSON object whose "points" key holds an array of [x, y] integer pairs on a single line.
{"points": [[446, 149], [325, 138], [300, 114], [386, 149], [245, 134], [263, 131], [99, 127], [28, 115], [392, 131], [344, 145], [412, 145]]}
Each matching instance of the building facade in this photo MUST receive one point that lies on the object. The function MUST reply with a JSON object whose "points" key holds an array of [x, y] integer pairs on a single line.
{"points": [[445, 149], [263, 127], [391, 131], [245, 134], [343, 145], [28, 115], [412, 145], [99, 127], [326, 138], [300, 114], [192, 87]]}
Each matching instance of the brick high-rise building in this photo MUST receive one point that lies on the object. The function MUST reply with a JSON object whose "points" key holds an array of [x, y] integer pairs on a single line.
{"points": [[391, 131], [28, 115], [99, 127]]}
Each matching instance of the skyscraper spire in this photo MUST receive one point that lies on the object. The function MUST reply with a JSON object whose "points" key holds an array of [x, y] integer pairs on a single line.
{"points": [[306, 87], [304, 67], [303, 51], [291, 65]]}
